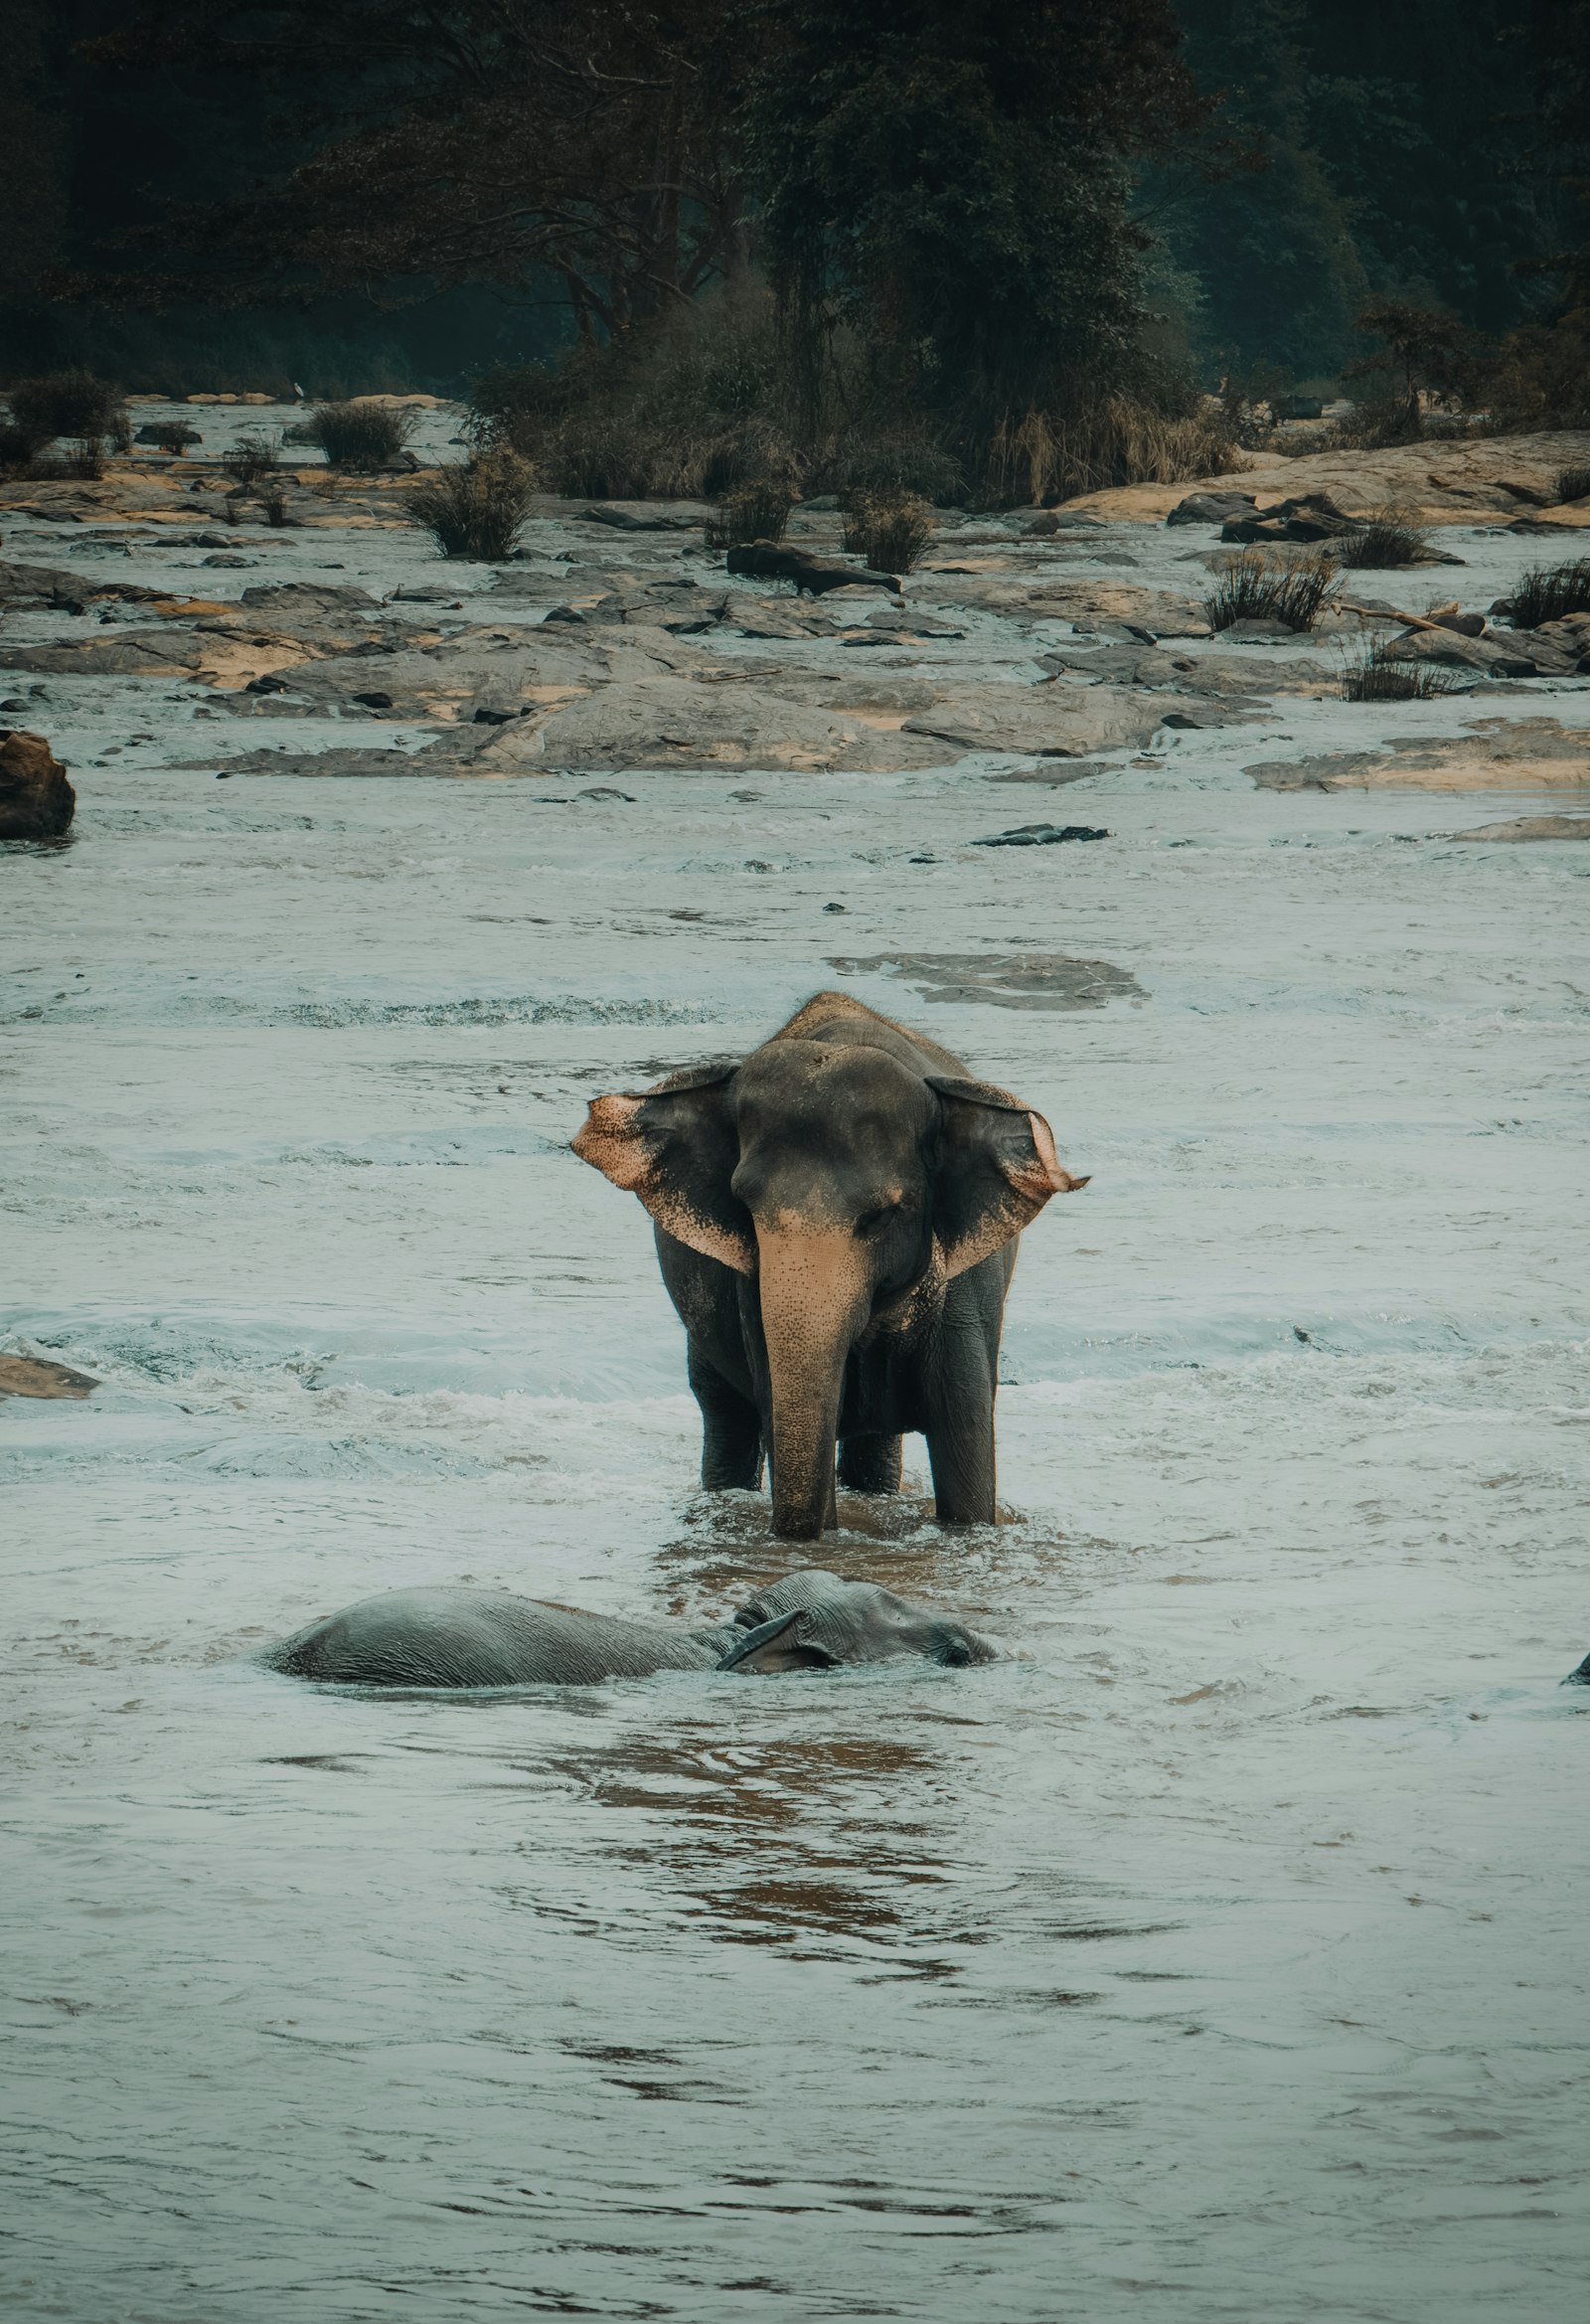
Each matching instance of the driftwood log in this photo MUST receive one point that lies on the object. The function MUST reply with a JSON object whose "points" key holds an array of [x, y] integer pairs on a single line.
{"points": [[812, 576]]}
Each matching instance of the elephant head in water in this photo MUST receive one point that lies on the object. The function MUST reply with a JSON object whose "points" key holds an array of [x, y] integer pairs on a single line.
{"points": [[456, 1637], [815, 1622], [836, 1216]]}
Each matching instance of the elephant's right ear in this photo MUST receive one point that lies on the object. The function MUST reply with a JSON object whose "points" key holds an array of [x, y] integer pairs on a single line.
{"points": [[676, 1148]]}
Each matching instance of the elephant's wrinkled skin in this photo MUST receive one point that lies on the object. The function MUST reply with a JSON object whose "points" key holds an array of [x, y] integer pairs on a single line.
{"points": [[836, 1218], [492, 1638]]}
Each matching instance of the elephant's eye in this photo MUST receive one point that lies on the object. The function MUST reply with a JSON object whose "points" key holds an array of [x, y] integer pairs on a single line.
{"points": [[870, 1220]]}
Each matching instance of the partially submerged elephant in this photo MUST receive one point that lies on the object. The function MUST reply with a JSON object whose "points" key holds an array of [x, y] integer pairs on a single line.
{"points": [[493, 1638], [836, 1218]]}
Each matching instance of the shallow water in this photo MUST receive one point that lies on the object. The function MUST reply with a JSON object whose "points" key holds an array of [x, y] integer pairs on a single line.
{"points": [[1225, 1953]]}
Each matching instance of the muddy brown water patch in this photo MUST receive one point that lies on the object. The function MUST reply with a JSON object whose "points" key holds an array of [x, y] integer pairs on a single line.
{"points": [[1010, 980]]}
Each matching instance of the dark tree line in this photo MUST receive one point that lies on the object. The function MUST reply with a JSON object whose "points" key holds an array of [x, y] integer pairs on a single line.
{"points": [[992, 196]]}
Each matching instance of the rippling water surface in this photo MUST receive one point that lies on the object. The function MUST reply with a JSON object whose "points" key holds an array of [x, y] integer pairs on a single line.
{"points": [[1222, 1959]]}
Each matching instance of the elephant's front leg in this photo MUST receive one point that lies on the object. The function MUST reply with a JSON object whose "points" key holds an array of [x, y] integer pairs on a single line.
{"points": [[960, 1434], [731, 1431], [869, 1464]]}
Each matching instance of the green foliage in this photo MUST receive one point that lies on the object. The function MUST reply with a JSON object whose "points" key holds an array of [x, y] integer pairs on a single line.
{"points": [[71, 403], [753, 512], [1391, 164], [952, 184], [173, 435], [1389, 537], [1374, 678], [1549, 591], [888, 531], [475, 508], [701, 405], [1256, 587], [360, 436]]}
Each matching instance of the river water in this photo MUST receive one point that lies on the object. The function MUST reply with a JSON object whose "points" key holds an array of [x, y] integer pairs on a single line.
{"points": [[1224, 1958]]}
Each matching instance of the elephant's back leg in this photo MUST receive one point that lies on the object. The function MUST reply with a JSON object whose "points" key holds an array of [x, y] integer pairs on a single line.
{"points": [[731, 1429], [869, 1464]]}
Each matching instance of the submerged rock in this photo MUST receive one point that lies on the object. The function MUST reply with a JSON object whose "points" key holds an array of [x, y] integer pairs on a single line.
{"points": [[1042, 835], [813, 576], [36, 799], [1494, 755], [33, 1375], [1015, 980], [1531, 827]]}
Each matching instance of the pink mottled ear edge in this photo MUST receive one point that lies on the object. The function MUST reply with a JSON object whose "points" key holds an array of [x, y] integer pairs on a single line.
{"points": [[646, 1160], [1060, 1180], [611, 1143]]}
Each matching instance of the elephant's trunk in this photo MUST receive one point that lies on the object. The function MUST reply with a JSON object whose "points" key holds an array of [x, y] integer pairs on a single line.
{"points": [[813, 1290]]}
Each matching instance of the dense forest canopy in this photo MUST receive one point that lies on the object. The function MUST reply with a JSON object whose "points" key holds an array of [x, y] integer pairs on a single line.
{"points": [[1000, 197]]}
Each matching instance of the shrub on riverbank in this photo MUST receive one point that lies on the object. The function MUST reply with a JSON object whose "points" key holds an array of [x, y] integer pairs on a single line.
{"points": [[888, 530], [1258, 587], [1389, 540], [475, 508], [1548, 592], [360, 435]]}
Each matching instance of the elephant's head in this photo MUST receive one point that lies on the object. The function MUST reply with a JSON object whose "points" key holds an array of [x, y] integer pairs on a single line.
{"points": [[816, 1622], [843, 1181]]}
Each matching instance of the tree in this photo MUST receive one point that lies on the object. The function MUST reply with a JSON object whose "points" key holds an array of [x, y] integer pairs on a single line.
{"points": [[950, 177], [435, 142]]}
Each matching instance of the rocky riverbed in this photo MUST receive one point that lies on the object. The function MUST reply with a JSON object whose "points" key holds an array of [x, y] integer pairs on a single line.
{"points": [[1227, 1953]]}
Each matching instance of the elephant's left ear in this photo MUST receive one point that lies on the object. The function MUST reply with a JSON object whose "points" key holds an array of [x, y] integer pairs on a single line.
{"points": [[997, 1169]]}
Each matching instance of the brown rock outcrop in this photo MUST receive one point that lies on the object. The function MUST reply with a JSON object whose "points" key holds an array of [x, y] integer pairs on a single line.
{"points": [[36, 799]]}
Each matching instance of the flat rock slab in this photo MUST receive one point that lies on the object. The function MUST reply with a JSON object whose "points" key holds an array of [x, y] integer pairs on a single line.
{"points": [[1216, 677], [1467, 482], [1531, 827], [1495, 655], [1089, 604], [647, 516], [661, 722], [444, 758], [1496, 755], [1052, 720], [33, 1375], [55, 584], [1011, 980]]}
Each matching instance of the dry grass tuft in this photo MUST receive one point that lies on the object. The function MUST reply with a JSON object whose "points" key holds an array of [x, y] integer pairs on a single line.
{"points": [[360, 435], [1372, 678], [252, 457], [1256, 587], [1119, 442], [475, 508], [888, 530], [1390, 539], [1549, 592], [1573, 484], [753, 512]]}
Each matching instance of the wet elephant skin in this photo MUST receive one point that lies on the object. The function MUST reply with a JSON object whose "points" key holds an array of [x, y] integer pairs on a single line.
{"points": [[457, 1637], [836, 1218]]}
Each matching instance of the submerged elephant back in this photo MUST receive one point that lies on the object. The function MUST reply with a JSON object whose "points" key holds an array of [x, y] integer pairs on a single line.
{"points": [[481, 1638]]}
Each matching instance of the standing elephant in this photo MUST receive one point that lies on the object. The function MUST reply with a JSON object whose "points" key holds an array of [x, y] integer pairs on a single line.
{"points": [[836, 1218]]}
